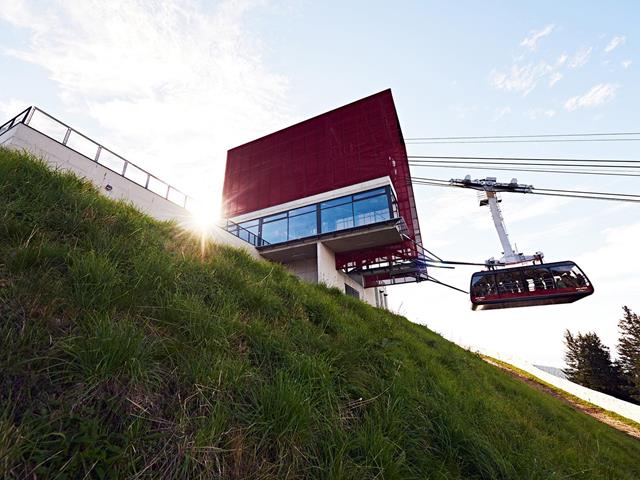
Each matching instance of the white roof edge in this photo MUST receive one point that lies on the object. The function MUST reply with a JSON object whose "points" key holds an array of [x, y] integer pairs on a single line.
{"points": [[320, 197]]}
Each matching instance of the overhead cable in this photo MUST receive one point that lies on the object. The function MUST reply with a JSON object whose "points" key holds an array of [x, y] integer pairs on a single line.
{"points": [[509, 169], [573, 140], [589, 195], [544, 135], [527, 164], [528, 159]]}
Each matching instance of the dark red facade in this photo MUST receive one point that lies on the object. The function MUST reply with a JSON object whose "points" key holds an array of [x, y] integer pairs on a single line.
{"points": [[351, 144]]}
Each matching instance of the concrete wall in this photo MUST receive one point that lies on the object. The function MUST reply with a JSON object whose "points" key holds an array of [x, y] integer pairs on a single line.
{"points": [[331, 277], [22, 137], [306, 269]]}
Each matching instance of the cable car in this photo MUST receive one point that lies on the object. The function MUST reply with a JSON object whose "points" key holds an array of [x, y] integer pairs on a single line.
{"points": [[529, 285]]}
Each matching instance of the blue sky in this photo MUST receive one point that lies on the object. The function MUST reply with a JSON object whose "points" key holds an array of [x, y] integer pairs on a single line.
{"points": [[172, 85]]}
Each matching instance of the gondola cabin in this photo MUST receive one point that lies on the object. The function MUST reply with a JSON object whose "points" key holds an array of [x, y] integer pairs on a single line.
{"points": [[530, 285]]}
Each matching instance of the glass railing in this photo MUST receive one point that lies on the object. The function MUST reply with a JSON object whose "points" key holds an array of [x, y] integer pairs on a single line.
{"points": [[60, 132]]}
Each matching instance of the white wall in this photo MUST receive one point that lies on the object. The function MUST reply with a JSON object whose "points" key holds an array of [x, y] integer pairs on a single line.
{"points": [[330, 276], [22, 137]]}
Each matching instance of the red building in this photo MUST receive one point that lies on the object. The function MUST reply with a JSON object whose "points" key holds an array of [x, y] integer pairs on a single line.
{"points": [[338, 182]]}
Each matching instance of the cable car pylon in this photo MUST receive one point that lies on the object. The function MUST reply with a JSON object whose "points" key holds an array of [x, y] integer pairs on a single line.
{"points": [[490, 188]]}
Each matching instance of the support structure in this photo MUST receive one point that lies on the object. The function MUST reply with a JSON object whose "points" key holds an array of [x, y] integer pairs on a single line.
{"points": [[490, 189]]}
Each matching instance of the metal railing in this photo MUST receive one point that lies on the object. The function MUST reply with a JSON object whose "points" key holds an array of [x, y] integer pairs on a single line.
{"points": [[244, 234], [60, 132]]}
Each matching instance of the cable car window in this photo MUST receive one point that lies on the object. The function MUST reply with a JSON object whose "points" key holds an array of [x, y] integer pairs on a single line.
{"points": [[568, 275], [483, 285], [509, 281], [537, 279]]}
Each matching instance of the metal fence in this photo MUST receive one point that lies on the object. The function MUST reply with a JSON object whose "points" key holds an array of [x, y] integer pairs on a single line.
{"points": [[244, 234], [63, 134]]}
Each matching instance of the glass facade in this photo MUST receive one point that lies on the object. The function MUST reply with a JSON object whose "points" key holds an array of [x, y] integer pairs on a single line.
{"points": [[342, 213]]}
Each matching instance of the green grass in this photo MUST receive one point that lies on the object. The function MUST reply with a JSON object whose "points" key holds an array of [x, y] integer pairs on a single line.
{"points": [[125, 353], [570, 397]]}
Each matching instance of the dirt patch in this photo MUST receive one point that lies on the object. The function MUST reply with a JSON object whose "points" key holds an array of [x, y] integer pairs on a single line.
{"points": [[595, 412]]}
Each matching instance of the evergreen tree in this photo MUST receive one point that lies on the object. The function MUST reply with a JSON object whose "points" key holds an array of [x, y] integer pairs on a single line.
{"points": [[629, 352], [589, 364]]}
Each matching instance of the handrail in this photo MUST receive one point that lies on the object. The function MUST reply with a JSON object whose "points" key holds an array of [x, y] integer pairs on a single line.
{"points": [[251, 237], [169, 193], [9, 124]]}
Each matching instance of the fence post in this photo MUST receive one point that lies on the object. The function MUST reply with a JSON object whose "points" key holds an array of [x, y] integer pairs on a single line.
{"points": [[29, 115], [66, 136]]}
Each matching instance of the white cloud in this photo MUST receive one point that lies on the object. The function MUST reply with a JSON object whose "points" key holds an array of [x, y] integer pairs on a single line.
{"points": [[598, 95], [626, 64], [539, 208], [501, 112], [173, 84], [554, 78], [562, 59], [531, 42], [11, 107], [537, 113], [581, 57], [614, 43], [618, 242], [524, 78], [520, 78]]}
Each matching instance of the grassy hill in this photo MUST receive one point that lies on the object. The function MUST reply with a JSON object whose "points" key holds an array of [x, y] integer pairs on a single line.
{"points": [[127, 353]]}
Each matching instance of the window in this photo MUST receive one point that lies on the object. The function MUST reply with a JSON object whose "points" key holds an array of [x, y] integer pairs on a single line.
{"points": [[537, 279], [568, 275], [252, 225], [342, 213], [300, 211], [336, 201], [248, 231], [337, 218], [370, 193], [274, 231], [483, 285], [352, 292], [305, 225], [371, 210], [509, 282]]}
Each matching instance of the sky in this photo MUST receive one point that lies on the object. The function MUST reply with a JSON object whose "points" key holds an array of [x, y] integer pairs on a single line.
{"points": [[172, 85]]}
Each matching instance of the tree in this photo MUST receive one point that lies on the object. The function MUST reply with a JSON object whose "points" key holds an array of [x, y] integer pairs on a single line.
{"points": [[629, 352], [589, 364]]}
